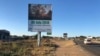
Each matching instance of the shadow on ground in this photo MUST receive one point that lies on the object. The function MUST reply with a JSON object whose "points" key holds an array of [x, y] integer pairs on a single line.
{"points": [[52, 45]]}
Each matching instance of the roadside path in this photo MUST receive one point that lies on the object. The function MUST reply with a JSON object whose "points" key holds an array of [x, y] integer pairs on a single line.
{"points": [[69, 48]]}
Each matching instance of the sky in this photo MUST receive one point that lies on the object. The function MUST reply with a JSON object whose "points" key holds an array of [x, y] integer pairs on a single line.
{"points": [[75, 17]]}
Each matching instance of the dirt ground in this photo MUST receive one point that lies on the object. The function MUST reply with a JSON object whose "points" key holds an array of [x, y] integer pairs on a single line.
{"points": [[69, 48], [96, 41]]}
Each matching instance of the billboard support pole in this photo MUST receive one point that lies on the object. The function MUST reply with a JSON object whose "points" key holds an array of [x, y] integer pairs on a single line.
{"points": [[39, 39]]}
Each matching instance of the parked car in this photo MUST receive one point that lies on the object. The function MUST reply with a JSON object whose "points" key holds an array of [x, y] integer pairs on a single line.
{"points": [[87, 41]]}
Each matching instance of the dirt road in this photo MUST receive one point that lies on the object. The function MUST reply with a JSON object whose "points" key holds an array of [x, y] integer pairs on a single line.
{"points": [[69, 48]]}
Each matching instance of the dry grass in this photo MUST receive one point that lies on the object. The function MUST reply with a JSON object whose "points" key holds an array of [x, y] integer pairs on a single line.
{"points": [[27, 48]]}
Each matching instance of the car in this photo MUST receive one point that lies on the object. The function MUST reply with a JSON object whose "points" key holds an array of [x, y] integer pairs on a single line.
{"points": [[87, 41]]}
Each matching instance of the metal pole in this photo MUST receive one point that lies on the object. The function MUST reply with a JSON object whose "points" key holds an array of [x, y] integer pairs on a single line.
{"points": [[39, 36]]}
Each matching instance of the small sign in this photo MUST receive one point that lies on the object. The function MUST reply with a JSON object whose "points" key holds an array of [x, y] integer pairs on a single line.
{"points": [[64, 34], [49, 33]]}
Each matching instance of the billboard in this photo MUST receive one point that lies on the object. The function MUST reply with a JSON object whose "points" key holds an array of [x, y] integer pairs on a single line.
{"points": [[39, 17], [64, 34]]}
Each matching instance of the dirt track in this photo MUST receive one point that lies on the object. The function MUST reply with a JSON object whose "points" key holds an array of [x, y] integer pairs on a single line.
{"points": [[69, 48]]}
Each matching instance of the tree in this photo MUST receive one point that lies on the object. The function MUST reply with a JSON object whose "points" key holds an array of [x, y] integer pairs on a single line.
{"points": [[94, 37], [82, 37]]}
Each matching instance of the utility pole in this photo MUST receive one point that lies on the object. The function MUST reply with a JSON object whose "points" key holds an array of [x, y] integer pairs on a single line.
{"points": [[39, 39]]}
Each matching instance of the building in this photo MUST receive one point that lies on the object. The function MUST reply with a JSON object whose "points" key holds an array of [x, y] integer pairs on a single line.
{"points": [[4, 35]]}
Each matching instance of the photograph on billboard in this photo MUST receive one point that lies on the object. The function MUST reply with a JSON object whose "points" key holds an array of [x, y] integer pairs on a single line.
{"points": [[39, 12]]}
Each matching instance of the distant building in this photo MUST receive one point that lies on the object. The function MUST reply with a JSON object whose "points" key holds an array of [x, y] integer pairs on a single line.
{"points": [[4, 35]]}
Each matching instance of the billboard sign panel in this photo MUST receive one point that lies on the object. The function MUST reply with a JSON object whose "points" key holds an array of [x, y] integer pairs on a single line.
{"points": [[39, 17], [64, 34]]}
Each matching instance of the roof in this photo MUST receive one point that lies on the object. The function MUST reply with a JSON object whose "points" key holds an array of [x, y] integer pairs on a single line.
{"points": [[6, 31]]}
